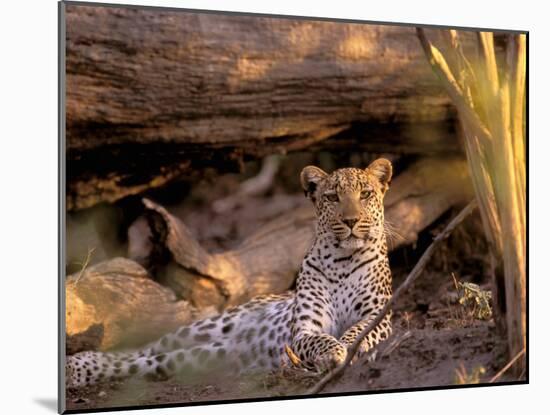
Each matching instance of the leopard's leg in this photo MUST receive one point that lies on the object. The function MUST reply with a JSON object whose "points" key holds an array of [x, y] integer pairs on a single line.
{"points": [[312, 331], [379, 333]]}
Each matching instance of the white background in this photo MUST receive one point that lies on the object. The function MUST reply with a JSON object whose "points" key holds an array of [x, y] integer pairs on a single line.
{"points": [[28, 216]]}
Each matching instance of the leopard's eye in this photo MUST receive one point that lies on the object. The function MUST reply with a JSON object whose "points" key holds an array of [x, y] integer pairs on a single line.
{"points": [[365, 194], [332, 197]]}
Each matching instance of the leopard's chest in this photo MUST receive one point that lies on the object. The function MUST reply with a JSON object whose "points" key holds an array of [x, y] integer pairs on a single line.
{"points": [[347, 296], [344, 283]]}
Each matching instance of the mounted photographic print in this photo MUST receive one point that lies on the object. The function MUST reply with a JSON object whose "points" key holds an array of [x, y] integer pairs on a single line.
{"points": [[259, 207]]}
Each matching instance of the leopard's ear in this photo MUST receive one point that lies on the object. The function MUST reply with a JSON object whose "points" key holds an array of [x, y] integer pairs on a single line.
{"points": [[382, 170], [310, 177]]}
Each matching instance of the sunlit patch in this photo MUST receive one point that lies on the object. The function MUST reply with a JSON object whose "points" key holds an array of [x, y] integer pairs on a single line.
{"points": [[249, 69], [356, 47]]}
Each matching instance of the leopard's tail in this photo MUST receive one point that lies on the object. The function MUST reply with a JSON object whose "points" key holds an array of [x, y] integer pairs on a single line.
{"points": [[251, 336]]}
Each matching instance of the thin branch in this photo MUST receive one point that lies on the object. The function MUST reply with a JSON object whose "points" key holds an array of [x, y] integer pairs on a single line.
{"points": [[85, 264], [505, 368], [414, 274], [395, 343]]}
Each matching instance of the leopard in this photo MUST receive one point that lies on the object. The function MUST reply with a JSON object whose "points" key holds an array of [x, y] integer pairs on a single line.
{"points": [[343, 283]]}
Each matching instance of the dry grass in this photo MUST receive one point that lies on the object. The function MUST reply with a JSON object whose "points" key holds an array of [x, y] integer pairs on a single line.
{"points": [[463, 377], [490, 99], [84, 264]]}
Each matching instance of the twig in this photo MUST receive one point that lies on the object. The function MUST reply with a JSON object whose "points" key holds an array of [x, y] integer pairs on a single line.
{"points": [[396, 343], [455, 281], [414, 274], [295, 360], [505, 368], [85, 264]]}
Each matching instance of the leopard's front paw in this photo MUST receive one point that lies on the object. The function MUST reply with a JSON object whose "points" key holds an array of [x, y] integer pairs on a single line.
{"points": [[330, 359]]}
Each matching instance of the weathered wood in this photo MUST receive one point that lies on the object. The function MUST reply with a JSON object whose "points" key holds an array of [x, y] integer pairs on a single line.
{"points": [[130, 169], [115, 304], [137, 75], [156, 95], [268, 260], [89, 339]]}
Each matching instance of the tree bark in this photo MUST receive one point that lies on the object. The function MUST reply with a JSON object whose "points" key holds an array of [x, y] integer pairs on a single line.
{"points": [[156, 95]]}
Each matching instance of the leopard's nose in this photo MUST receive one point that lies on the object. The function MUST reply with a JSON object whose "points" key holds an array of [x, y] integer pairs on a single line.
{"points": [[350, 222]]}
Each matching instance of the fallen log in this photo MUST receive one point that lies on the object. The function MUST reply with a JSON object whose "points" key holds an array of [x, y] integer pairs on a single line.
{"points": [[191, 90], [213, 78], [115, 304], [89, 339], [268, 260]]}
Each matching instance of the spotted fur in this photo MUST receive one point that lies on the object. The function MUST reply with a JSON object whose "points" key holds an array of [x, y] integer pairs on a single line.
{"points": [[343, 282]]}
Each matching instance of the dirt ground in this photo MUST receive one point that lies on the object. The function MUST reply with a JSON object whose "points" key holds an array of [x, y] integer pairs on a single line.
{"points": [[436, 340], [428, 348]]}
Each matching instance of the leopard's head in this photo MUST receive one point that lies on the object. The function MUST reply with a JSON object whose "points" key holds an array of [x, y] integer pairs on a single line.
{"points": [[349, 202]]}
